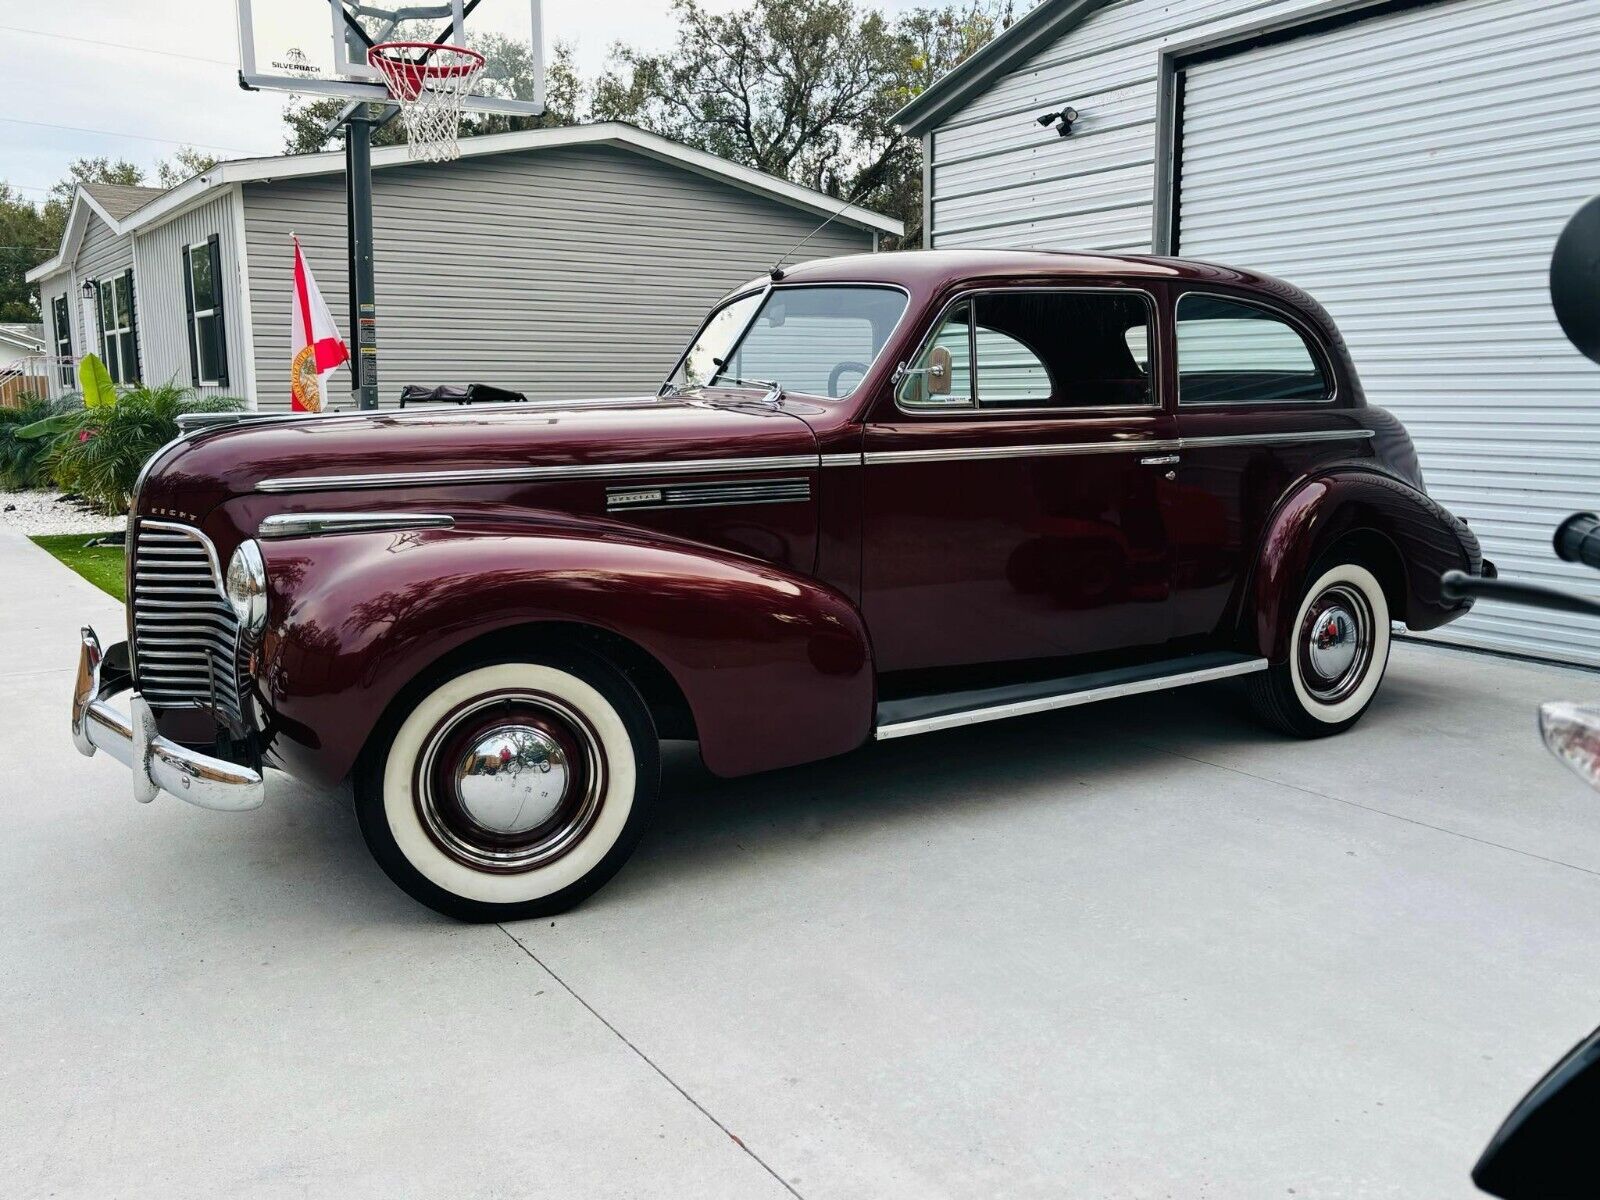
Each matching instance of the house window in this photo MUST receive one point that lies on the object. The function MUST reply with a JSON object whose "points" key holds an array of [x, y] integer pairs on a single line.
{"points": [[119, 346], [1234, 353], [208, 348], [60, 318]]}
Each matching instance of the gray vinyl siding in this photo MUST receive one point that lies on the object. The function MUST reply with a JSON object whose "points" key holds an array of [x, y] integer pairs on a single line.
{"points": [[162, 301], [571, 272], [103, 255]]}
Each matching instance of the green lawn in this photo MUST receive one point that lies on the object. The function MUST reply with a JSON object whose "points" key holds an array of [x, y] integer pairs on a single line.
{"points": [[100, 565]]}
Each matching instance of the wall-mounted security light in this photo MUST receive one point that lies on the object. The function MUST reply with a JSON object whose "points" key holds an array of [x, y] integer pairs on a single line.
{"points": [[1063, 120]]}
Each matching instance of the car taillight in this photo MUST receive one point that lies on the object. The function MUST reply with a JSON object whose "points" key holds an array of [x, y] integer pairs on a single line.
{"points": [[1572, 731]]}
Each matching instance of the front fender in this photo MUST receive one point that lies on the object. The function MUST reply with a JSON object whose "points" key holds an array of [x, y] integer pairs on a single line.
{"points": [[776, 667], [1348, 499]]}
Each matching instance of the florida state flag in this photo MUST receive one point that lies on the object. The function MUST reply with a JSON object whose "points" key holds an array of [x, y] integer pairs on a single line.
{"points": [[318, 348]]}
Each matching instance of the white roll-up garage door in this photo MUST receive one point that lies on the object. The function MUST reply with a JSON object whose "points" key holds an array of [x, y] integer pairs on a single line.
{"points": [[1412, 171]]}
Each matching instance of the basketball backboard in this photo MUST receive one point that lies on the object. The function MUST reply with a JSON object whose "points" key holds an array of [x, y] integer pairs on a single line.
{"points": [[319, 47]]}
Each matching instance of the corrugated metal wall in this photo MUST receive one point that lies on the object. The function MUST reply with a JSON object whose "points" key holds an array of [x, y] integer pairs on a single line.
{"points": [[163, 310], [578, 271], [1412, 171]]}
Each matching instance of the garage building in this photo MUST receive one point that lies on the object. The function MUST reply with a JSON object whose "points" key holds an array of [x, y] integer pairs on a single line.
{"points": [[1410, 165]]}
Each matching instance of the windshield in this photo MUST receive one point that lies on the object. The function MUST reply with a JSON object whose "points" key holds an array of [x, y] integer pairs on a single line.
{"points": [[817, 340]]}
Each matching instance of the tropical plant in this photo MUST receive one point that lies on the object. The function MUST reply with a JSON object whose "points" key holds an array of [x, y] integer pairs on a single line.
{"points": [[23, 460], [94, 381], [101, 453]]}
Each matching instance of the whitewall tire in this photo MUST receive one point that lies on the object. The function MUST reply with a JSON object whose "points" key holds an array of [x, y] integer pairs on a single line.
{"points": [[1338, 651], [510, 789]]}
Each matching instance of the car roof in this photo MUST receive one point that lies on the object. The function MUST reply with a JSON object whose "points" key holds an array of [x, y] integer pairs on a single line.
{"points": [[919, 269]]}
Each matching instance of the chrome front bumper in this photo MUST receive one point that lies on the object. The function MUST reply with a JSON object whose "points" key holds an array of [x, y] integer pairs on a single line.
{"points": [[158, 765]]}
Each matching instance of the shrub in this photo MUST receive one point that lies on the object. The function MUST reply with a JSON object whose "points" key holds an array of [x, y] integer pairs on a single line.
{"points": [[23, 460], [100, 453]]}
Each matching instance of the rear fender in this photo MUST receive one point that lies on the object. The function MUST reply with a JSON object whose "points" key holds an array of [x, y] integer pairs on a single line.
{"points": [[1354, 499], [776, 668]]}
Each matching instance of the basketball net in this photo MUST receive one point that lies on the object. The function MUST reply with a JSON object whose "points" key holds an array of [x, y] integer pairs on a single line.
{"points": [[430, 83]]}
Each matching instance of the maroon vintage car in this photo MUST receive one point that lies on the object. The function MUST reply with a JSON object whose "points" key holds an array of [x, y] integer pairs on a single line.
{"points": [[877, 496]]}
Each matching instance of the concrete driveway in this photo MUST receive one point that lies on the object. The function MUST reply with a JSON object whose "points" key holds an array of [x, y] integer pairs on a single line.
{"points": [[1143, 950]]}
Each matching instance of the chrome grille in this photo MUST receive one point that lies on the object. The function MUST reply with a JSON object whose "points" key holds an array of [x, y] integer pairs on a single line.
{"points": [[185, 636]]}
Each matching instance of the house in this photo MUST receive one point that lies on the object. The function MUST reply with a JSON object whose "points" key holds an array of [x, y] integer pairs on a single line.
{"points": [[555, 262], [1409, 164], [22, 365]]}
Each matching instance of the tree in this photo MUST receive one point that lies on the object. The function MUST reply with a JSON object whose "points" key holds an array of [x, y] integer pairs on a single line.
{"points": [[183, 166], [94, 170], [508, 73], [802, 89], [24, 241]]}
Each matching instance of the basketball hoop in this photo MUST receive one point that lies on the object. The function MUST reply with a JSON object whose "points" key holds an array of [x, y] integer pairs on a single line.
{"points": [[430, 81]]}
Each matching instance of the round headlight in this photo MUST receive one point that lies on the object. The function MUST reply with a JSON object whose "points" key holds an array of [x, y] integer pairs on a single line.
{"points": [[246, 585]]}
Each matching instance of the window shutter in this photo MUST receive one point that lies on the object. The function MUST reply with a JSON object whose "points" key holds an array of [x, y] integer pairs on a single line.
{"points": [[100, 319], [213, 244], [189, 325], [133, 327]]}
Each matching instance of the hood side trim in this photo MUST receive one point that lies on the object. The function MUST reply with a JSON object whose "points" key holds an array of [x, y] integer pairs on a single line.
{"points": [[340, 483]]}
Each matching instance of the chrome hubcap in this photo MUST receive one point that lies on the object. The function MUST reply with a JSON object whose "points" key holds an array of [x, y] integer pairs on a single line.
{"points": [[1336, 643], [512, 779], [510, 782]]}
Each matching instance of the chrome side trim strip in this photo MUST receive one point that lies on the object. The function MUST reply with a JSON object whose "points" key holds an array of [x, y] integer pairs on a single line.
{"points": [[631, 497], [698, 466], [1148, 446], [289, 525], [785, 462], [977, 716]]}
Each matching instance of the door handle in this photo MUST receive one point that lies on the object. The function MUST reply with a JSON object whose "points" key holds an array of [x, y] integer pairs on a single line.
{"points": [[1159, 460]]}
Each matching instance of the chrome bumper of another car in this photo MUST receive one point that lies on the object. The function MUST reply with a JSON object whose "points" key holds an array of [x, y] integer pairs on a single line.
{"points": [[158, 764]]}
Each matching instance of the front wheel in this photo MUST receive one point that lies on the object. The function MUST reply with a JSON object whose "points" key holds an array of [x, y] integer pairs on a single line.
{"points": [[512, 789], [1338, 650]]}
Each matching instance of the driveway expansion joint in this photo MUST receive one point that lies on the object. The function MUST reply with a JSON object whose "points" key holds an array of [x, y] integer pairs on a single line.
{"points": [[651, 1063]]}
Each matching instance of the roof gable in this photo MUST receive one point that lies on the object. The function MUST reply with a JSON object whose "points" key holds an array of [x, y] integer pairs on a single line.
{"points": [[959, 87]]}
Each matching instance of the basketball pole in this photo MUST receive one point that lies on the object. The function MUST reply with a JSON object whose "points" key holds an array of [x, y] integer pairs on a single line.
{"points": [[358, 227]]}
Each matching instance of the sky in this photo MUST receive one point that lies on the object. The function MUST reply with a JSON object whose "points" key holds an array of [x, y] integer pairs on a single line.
{"points": [[136, 79]]}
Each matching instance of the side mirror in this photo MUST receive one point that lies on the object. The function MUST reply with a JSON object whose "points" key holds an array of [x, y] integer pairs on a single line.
{"points": [[1575, 280], [1546, 1147], [939, 371]]}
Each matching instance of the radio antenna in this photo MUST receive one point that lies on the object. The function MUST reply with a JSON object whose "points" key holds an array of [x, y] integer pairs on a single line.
{"points": [[777, 268]]}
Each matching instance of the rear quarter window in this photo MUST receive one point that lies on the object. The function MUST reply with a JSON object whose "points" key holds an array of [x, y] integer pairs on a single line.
{"points": [[1230, 352]]}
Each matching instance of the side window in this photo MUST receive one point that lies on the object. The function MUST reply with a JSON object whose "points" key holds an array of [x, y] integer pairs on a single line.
{"points": [[1234, 353], [1044, 349], [919, 390]]}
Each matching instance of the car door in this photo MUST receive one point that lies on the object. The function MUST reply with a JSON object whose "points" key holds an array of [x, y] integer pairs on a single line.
{"points": [[1257, 407], [1012, 506]]}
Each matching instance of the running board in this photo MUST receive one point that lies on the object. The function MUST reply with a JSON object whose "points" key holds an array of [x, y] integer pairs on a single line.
{"points": [[947, 710]]}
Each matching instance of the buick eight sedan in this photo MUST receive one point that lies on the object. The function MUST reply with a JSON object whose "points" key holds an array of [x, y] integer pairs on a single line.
{"points": [[876, 497]]}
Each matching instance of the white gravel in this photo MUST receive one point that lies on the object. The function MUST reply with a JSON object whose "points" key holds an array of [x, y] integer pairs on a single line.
{"points": [[38, 512]]}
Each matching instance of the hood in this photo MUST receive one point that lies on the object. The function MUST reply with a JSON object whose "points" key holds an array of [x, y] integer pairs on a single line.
{"points": [[217, 465]]}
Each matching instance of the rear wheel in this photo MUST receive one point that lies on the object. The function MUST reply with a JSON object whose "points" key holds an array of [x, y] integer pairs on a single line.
{"points": [[1338, 650], [511, 789]]}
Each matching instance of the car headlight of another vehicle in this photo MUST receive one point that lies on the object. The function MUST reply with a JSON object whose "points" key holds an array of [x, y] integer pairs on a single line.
{"points": [[246, 588]]}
